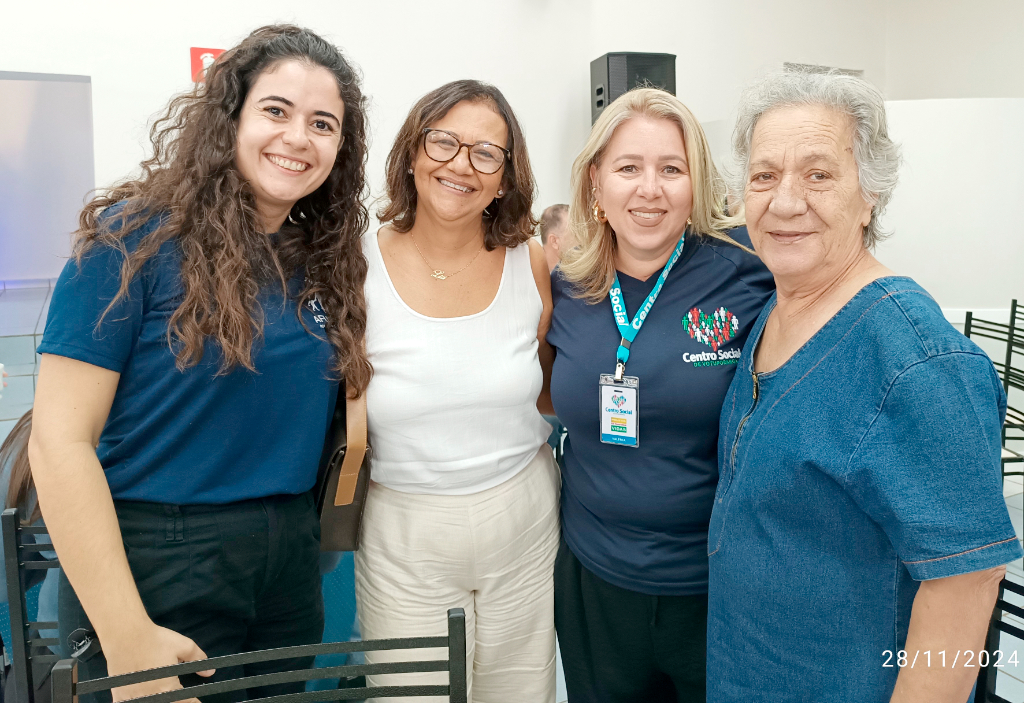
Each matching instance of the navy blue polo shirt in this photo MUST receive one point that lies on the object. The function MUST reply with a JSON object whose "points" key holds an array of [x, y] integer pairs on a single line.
{"points": [[638, 518], [191, 436]]}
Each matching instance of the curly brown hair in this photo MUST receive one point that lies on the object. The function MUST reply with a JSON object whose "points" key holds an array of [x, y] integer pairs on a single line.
{"points": [[204, 203], [509, 219]]}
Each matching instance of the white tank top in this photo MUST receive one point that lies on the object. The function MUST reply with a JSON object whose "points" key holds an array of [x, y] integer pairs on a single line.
{"points": [[452, 406]]}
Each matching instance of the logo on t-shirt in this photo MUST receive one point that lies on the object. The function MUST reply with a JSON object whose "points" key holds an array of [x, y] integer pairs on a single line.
{"points": [[317, 309], [714, 330]]}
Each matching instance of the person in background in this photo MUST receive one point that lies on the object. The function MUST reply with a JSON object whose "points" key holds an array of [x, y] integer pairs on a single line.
{"points": [[190, 365], [462, 509], [661, 290], [859, 529], [555, 234], [17, 490]]}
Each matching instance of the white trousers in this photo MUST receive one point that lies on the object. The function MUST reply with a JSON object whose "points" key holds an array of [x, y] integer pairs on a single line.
{"points": [[491, 553]]}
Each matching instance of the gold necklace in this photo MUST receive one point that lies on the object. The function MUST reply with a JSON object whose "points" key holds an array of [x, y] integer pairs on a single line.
{"points": [[438, 273]]}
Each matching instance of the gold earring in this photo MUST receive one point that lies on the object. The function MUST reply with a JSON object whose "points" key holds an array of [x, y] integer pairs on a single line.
{"points": [[688, 221], [599, 214]]}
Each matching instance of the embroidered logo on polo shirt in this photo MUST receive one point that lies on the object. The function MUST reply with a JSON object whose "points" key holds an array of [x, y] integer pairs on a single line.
{"points": [[714, 330]]}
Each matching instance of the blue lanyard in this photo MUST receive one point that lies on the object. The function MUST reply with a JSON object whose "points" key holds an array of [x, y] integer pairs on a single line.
{"points": [[627, 329]]}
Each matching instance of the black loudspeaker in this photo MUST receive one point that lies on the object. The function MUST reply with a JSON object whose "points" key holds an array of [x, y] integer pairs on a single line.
{"points": [[615, 73]]}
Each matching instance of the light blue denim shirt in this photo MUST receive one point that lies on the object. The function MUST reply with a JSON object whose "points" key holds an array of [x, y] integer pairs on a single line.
{"points": [[866, 463]]}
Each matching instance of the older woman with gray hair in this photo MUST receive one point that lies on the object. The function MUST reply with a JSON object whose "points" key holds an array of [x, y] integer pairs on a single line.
{"points": [[859, 531]]}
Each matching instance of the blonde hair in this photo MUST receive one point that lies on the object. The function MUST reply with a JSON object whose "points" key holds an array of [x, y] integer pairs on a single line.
{"points": [[590, 265]]}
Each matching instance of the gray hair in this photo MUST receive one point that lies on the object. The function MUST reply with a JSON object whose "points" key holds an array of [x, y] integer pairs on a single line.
{"points": [[877, 157]]}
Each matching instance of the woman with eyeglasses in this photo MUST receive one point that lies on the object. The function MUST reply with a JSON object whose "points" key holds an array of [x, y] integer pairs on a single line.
{"points": [[462, 509]]}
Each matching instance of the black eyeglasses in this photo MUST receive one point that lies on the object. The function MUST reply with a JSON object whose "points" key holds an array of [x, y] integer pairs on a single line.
{"points": [[444, 146]]}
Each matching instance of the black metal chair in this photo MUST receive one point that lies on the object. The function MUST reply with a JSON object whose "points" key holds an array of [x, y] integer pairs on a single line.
{"points": [[986, 690], [66, 687], [31, 658], [32, 661], [1011, 373]]}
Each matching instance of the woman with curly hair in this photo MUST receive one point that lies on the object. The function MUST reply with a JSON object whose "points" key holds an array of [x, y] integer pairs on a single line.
{"points": [[190, 364], [462, 509]]}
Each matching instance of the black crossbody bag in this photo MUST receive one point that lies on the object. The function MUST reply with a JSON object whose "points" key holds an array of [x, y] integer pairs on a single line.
{"points": [[344, 476]]}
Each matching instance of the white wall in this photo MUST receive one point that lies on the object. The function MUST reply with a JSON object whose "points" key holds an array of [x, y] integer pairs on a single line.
{"points": [[954, 49], [956, 214], [46, 168], [537, 51]]}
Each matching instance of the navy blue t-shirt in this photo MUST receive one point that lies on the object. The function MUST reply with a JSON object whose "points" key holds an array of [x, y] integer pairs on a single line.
{"points": [[193, 437], [638, 518]]}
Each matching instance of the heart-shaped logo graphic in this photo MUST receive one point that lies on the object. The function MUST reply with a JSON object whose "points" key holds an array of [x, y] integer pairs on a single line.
{"points": [[714, 330]]}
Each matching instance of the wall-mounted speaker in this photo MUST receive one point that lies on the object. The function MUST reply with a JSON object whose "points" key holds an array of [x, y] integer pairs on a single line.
{"points": [[615, 73]]}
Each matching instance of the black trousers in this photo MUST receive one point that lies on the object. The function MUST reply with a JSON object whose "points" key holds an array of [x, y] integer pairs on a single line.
{"points": [[620, 646], [234, 578]]}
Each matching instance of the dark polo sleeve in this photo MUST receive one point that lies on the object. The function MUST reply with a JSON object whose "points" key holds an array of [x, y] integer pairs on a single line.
{"points": [[81, 323]]}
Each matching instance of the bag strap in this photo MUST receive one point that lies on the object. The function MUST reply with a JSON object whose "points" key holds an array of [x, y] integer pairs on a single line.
{"points": [[355, 428]]}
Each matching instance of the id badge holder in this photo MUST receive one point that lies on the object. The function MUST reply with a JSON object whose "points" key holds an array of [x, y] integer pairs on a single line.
{"points": [[620, 410]]}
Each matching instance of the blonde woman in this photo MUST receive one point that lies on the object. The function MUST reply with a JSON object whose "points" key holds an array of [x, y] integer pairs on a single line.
{"points": [[650, 313]]}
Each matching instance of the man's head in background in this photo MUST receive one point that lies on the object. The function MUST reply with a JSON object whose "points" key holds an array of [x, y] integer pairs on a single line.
{"points": [[554, 234]]}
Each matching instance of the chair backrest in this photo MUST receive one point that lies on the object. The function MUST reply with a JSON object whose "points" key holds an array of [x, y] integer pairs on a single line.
{"points": [[30, 665], [65, 686], [1013, 370], [1013, 365], [1010, 366], [30, 658], [998, 657], [1009, 333]]}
